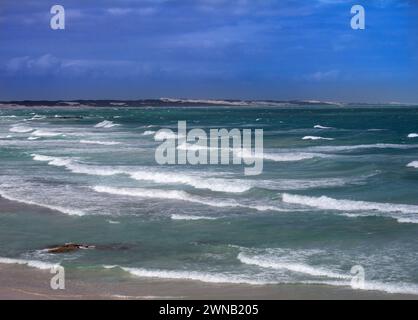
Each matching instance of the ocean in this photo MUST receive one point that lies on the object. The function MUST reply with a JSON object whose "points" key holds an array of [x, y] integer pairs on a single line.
{"points": [[339, 188]]}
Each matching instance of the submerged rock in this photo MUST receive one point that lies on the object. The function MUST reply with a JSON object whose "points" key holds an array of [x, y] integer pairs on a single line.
{"points": [[68, 247]]}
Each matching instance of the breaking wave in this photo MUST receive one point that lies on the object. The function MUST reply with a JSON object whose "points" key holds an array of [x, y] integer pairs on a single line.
{"points": [[182, 196], [315, 138], [190, 217], [413, 164], [106, 124], [318, 126], [326, 203], [72, 212], [105, 143], [30, 263], [45, 133], [20, 129], [191, 275]]}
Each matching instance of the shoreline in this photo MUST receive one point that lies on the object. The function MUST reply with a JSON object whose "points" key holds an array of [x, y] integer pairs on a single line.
{"points": [[19, 282]]}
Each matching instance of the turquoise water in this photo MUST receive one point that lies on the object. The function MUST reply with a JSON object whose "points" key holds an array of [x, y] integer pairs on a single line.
{"points": [[319, 208]]}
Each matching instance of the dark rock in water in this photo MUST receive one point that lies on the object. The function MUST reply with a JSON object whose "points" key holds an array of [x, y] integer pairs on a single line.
{"points": [[68, 247]]}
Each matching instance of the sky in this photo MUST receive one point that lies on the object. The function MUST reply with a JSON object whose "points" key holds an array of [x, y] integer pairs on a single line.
{"points": [[219, 49]]}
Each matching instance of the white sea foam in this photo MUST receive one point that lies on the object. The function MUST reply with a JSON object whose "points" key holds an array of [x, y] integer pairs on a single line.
{"points": [[33, 138], [191, 275], [190, 217], [8, 117], [413, 164], [326, 203], [164, 194], [274, 263], [315, 138], [72, 165], [165, 134], [20, 129], [72, 212], [413, 135], [45, 133], [322, 127], [362, 146], [148, 133], [213, 184], [106, 124], [30, 263], [105, 143], [278, 157], [181, 196]]}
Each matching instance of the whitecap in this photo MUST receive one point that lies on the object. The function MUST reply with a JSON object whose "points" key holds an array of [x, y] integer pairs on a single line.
{"points": [[315, 138], [45, 133], [181, 196], [326, 203], [164, 134], [322, 127], [190, 217], [20, 129], [413, 135], [413, 164], [106, 124], [104, 143]]}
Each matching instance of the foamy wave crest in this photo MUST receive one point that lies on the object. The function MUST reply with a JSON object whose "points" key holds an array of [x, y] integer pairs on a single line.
{"points": [[326, 203], [213, 184], [148, 133], [413, 164], [30, 263], [274, 263], [190, 217], [45, 133], [191, 275], [363, 146], [105, 143], [181, 196], [20, 129], [74, 166], [315, 138], [106, 124], [72, 212], [165, 134], [278, 157], [318, 126], [164, 194], [413, 135]]}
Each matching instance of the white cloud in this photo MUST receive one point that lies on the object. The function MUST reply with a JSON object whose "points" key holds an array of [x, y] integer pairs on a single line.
{"points": [[323, 75]]}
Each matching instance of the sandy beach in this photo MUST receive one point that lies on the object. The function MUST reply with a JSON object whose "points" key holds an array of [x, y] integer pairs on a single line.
{"points": [[21, 282]]}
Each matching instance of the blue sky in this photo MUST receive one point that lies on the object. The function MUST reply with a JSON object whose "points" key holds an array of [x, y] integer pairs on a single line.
{"points": [[250, 49]]}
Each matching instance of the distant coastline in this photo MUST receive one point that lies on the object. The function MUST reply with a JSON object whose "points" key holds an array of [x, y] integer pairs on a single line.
{"points": [[169, 102]]}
